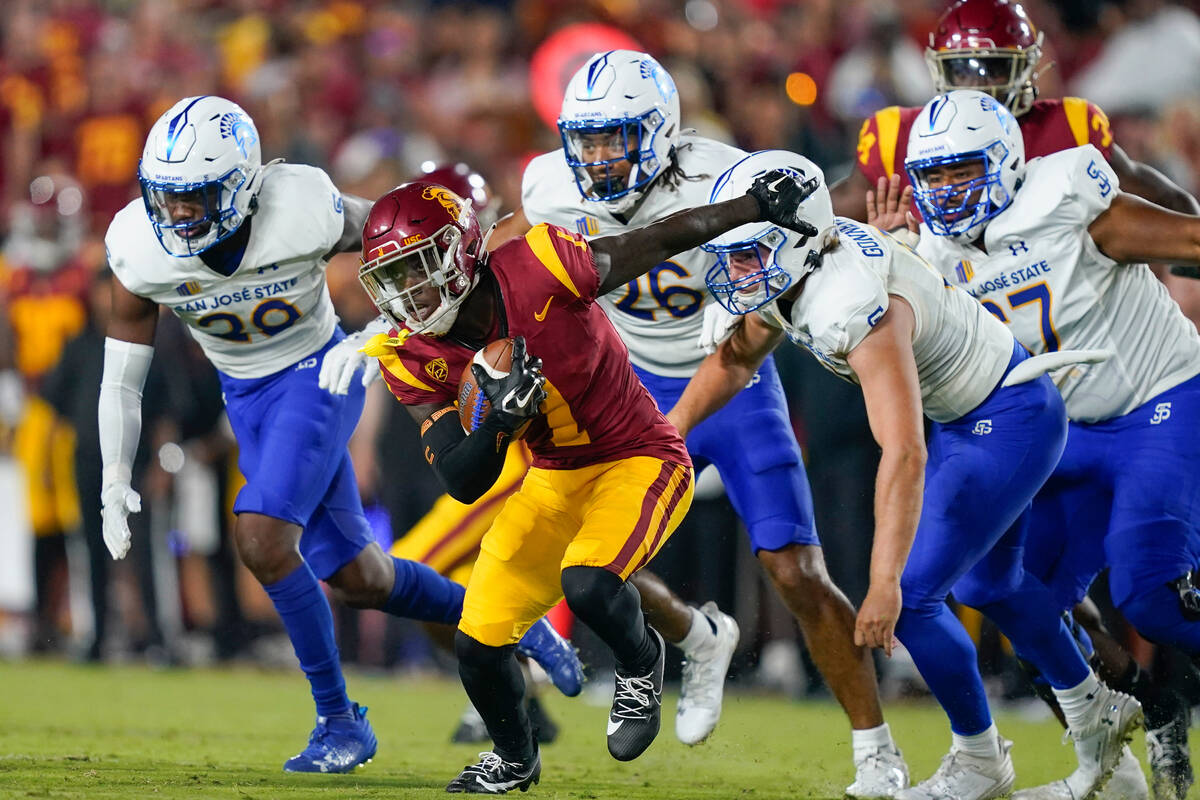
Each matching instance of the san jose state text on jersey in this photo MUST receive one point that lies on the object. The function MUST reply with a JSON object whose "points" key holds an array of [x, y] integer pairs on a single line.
{"points": [[242, 295]]}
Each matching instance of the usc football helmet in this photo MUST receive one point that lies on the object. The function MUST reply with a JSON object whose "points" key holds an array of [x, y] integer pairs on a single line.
{"points": [[758, 261], [203, 155], [465, 182], [421, 253], [961, 127], [620, 106], [988, 45]]}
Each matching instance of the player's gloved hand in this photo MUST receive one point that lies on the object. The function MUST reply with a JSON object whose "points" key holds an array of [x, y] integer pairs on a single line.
{"points": [[117, 501], [344, 359], [717, 326], [779, 196], [518, 394]]}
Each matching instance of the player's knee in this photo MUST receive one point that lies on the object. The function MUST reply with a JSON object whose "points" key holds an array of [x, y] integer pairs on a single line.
{"points": [[267, 546], [592, 591], [1157, 615], [979, 594], [475, 655], [798, 573], [366, 582]]}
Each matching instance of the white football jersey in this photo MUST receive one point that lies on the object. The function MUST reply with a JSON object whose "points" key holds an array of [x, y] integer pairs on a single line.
{"points": [[961, 350], [658, 315], [274, 309], [1043, 274]]}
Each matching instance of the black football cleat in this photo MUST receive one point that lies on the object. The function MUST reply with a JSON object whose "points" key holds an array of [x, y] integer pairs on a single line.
{"points": [[494, 775], [637, 708]]}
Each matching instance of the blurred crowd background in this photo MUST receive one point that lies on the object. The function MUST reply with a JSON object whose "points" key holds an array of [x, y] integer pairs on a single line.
{"points": [[371, 91]]}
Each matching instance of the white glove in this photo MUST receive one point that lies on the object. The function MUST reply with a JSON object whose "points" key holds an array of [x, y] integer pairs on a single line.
{"points": [[118, 501], [718, 325], [344, 358]]}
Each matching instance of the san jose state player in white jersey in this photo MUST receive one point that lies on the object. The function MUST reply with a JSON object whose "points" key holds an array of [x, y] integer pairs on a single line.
{"points": [[625, 163], [948, 516], [1057, 251], [237, 250]]}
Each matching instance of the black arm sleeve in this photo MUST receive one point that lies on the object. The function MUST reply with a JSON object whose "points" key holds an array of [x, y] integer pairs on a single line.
{"points": [[467, 465]]}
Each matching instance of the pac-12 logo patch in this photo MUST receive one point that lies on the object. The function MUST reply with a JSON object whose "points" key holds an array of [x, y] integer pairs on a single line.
{"points": [[437, 369]]}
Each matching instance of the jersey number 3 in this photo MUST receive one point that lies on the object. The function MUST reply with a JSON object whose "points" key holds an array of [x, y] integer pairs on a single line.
{"points": [[270, 317]]}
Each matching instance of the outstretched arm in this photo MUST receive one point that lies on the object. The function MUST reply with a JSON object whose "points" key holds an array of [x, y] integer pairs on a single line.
{"points": [[887, 372], [775, 196], [1146, 182], [1133, 230], [724, 373]]}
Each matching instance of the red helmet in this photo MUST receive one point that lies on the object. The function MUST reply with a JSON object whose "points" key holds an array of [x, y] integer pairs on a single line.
{"points": [[465, 182], [421, 255], [989, 45]]}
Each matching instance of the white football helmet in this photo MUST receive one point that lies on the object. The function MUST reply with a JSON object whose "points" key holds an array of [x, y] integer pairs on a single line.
{"points": [[202, 153], [958, 128], [758, 261], [625, 94]]}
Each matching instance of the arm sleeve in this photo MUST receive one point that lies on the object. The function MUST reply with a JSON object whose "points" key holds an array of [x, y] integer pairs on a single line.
{"points": [[120, 410], [466, 464]]}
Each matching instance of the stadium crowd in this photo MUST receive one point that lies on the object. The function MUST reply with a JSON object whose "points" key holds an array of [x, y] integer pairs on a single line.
{"points": [[374, 92]]}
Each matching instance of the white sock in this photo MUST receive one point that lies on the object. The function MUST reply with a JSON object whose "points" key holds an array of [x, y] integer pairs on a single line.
{"points": [[700, 635], [984, 745], [869, 740], [1077, 701]]}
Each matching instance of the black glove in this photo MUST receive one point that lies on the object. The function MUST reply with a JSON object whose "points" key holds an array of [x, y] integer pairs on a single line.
{"points": [[516, 396], [1185, 271], [779, 196]]}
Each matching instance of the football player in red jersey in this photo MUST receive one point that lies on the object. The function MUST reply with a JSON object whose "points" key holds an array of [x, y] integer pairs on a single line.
{"points": [[611, 478], [993, 46]]}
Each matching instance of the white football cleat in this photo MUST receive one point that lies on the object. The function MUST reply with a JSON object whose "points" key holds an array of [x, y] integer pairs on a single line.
{"points": [[703, 684], [1128, 782], [879, 773], [963, 776]]}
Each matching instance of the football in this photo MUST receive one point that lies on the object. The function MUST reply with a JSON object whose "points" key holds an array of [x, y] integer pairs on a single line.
{"points": [[473, 405]]}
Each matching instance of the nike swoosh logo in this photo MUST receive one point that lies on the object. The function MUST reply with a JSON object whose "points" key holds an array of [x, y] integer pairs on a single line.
{"points": [[613, 727], [545, 309], [773, 186]]}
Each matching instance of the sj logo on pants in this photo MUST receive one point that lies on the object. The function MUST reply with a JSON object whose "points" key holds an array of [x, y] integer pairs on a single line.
{"points": [[983, 427], [1162, 412]]}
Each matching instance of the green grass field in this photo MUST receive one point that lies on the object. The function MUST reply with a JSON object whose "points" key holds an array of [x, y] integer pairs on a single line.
{"points": [[87, 732]]}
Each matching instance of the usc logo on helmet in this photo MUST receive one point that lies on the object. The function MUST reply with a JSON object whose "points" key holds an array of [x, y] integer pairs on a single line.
{"points": [[448, 200]]}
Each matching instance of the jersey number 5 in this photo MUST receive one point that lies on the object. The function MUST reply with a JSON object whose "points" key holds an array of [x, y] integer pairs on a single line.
{"points": [[270, 317], [1038, 293]]}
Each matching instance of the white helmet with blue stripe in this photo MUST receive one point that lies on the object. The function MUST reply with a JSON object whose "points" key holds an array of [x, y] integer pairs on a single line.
{"points": [[200, 173], [956, 136], [757, 262], [629, 98]]}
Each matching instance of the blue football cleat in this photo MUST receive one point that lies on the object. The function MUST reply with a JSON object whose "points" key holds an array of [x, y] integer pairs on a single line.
{"points": [[555, 655], [338, 744]]}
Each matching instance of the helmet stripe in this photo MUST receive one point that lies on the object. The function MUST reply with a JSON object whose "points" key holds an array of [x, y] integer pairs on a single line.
{"points": [[179, 120]]}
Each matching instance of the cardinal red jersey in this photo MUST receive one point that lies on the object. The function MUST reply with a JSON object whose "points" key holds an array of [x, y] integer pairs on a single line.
{"points": [[595, 410], [1048, 127]]}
